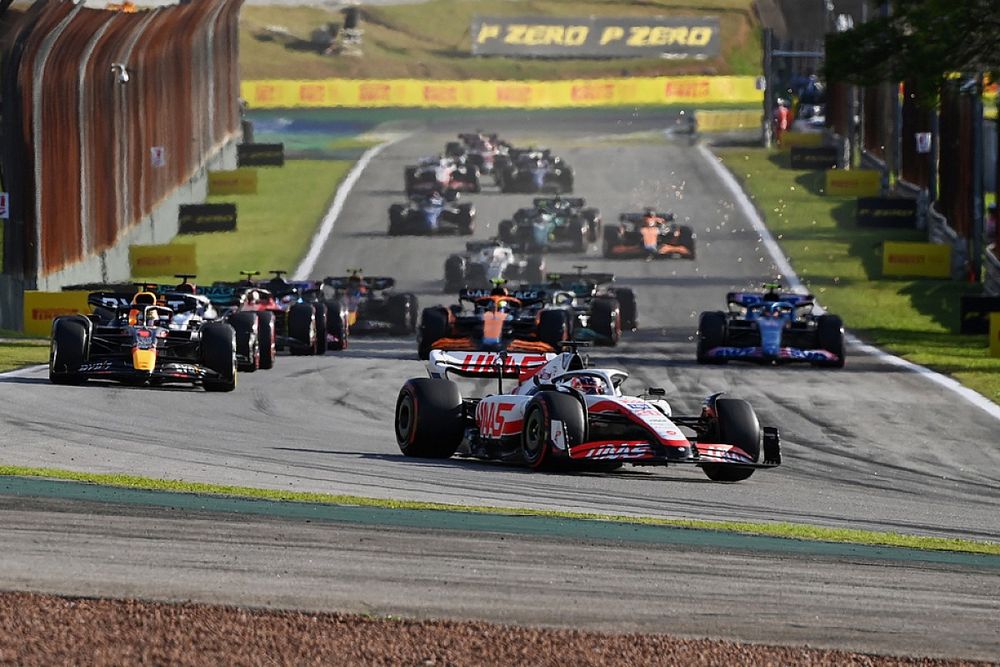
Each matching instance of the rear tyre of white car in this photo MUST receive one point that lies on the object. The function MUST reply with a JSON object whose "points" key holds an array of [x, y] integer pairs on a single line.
{"points": [[429, 420]]}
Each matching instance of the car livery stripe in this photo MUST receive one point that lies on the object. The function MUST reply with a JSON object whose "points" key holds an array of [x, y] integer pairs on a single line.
{"points": [[608, 405]]}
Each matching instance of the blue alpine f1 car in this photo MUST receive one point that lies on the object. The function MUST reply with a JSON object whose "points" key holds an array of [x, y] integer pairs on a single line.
{"points": [[771, 327]]}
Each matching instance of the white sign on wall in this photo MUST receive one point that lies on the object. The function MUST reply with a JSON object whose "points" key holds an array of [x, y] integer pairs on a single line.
{"points": [[158, 156], [923, 142]]}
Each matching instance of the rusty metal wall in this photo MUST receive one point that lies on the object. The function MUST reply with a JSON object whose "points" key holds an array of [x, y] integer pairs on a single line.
{"points": [[88, 136], [915, 167]]}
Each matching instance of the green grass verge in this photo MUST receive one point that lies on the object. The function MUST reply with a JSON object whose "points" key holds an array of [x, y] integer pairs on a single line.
{"points": [[15, 354], [431, 40], [275, 225], [841, 264], [786, 530]]}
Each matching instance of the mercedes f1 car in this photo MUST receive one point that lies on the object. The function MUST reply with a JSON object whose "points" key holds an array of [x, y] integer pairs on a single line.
{"points": [[649, 234], [563, 414], [441, 174], [771, 327], [372, 306], [431, 214], [137, 345], [484, 319], [601, 310], [530, 170], [552, 223], [487, 261]]}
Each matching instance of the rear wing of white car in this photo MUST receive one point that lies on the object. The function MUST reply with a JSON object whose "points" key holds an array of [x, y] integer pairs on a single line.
{"points": [[443, 363]]}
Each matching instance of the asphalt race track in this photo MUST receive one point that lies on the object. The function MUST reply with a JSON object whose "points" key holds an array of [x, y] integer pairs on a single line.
{"points": [[871, 446]]}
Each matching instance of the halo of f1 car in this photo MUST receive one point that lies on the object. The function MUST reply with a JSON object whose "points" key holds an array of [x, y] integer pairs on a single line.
{"points": [[771, 327], [562, 414], [649, 234]]}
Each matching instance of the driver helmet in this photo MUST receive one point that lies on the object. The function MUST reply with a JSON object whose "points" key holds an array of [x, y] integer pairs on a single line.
{"points": [[649, 217], [586, 384], [499, 288]]}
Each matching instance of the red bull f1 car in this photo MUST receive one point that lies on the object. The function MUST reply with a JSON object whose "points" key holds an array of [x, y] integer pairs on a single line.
{"points": [[562, 414], [771, 327], [650, 234], [372, 306]]}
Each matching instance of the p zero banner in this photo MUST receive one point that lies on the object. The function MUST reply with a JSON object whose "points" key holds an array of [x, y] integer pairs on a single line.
{"points": [[201, 218], [40, 308], [471, 94], [886, 212], [853, 183], [260, 155], [242, 181], [818, 158], [595, 37], [925, 260], [148, 261]]}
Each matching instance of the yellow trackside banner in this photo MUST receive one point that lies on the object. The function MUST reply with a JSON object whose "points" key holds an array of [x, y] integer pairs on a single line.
{"points": [[926, 260], [853, 182], [995, 334], [366, 93], [148, 261], [728, 121], [803, 139], [233, 182], [40, 308]]}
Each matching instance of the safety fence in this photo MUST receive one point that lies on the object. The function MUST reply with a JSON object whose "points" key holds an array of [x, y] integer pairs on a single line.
{"points": [[367, 93], [105, 114]]}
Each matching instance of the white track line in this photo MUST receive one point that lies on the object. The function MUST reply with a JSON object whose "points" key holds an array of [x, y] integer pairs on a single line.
{"points": [[788, 273], [27, 370], [326, 227]]}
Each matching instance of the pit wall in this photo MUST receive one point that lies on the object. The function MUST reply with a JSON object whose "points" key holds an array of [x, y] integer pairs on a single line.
{"points": [[358, 93]]}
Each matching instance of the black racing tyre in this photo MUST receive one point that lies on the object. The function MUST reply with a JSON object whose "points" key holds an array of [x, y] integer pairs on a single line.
{"points": [[606, 321], [536, 434], [302, 328], [454, 273], [337, 327], [266, 338], [396, 220], [67, 351], [612, 237], [629, 310], [736, 425], [686, 239], [830, 336], [466, 219], [552, 329], [711, 334], [433, 327], [534, 269], [476, 276], [402, 314], [593, 217], [246, 325], [506, 231], [579, 232], [566, 181], [429, 421], [321, 328], [409, 178], [218, 353]]}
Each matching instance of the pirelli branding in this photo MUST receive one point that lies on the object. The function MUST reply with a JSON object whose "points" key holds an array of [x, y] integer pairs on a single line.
{"points": [[596, 37]]}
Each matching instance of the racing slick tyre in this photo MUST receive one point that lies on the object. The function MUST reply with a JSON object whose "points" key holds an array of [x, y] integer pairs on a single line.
{"points": [[396, 220], [593, 217], [630, 313], [409, 177], [606, 321], [736, 425], [266, 339], [534, 269], [566, 181], [68, 351], [429, 420], [552, 329], [544, 409], [686, 239], [218, 353], [302, 329], [247, 349], [830, 335], [711, 334], [476, 276], [466, 219], [321, 328], [337, 331], [506, 231], [580, 233], [454, 273], [433, 327], [612, 237], [402, 314]]}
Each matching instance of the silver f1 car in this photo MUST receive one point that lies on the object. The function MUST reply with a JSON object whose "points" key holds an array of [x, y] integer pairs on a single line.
{"points": [[563, 414], [487, 261]]}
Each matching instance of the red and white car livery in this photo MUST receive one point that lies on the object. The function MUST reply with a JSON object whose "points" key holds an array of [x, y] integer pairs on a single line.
{"points": [[561, 413]]}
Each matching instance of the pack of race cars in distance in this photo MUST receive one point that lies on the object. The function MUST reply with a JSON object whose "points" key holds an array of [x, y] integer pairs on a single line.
{"points": [[562, 414], [651, 234], [431, 213], [532, 170], [441, 173], [772, 327]]}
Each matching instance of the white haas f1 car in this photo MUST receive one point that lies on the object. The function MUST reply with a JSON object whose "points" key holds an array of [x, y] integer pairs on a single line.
{"points": [[563, 414]]}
